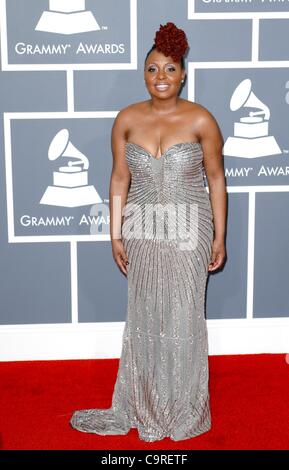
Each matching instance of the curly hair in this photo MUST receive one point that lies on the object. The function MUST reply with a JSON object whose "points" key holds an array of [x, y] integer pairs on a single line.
{"points": [[171, 41]]}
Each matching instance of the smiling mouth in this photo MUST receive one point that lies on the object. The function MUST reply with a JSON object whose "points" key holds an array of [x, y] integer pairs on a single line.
{"points": [[162, 87]]}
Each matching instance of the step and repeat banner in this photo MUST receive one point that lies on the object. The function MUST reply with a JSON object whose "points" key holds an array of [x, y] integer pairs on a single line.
{"points": [[67, 68]]}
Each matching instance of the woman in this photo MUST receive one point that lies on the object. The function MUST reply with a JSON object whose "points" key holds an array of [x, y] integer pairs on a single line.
{"points": [[160, 148]]}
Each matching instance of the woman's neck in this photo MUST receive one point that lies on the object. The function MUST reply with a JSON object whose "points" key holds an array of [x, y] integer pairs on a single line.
{"points": [[164, 106]]}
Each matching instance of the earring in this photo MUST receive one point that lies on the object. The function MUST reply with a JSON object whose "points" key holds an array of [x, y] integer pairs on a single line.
{"points": [[182, 81]]}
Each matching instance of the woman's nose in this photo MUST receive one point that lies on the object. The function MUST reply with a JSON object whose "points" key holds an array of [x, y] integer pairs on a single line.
{"points": [[161, 74]]}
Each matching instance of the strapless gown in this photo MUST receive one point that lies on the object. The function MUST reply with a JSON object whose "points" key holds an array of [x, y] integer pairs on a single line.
{"points": [[162, 385]]}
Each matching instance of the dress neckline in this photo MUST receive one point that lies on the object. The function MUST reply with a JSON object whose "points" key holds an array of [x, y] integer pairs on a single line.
{"points": [[166, 151]]}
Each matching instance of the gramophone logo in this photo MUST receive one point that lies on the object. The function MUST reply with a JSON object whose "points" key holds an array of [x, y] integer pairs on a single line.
{"points": [[251, 133], [68, 34], [67, 17], [70, 183]]}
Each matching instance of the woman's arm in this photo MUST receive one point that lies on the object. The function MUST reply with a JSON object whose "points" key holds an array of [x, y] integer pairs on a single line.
{"points": [[212, 144], [119, 185]]}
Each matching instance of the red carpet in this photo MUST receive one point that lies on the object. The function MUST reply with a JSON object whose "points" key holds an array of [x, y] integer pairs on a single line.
{"points": [[249, 404]]}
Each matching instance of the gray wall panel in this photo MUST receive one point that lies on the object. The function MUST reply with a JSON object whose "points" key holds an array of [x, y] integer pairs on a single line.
{"points": [[35, 285], [226, 292], [271, 294]]}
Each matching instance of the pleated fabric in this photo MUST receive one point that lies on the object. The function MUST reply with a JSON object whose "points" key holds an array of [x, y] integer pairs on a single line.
{"points": [[162, 385]]}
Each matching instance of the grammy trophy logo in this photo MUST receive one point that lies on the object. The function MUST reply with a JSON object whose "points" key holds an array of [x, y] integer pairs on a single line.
{"points": [[70, 183], [67, 17], [251, 133]]}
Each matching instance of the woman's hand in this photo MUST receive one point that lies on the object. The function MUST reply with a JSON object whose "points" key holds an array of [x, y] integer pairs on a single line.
{"points": [[119, 255], [218, 255]]}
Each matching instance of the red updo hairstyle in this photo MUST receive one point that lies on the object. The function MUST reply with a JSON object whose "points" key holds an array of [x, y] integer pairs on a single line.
{"points": [[171, 41]]}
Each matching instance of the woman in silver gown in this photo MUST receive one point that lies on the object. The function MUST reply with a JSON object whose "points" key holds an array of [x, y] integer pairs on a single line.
{"points": [[162, 382]]}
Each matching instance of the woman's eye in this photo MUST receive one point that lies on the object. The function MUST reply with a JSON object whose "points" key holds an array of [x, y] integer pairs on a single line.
{"points": [[153, 69]]}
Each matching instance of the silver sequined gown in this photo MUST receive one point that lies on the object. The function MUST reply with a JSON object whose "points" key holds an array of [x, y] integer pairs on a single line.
{"points": [[162, 382]]}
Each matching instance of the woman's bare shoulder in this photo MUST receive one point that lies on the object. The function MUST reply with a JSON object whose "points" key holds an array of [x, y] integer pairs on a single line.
{"points": [[196, 109], [132, 110], [127, 117], [203, 119]]}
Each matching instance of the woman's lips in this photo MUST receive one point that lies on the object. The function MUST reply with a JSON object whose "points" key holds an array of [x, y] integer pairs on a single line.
{"points": [[162, 87]]}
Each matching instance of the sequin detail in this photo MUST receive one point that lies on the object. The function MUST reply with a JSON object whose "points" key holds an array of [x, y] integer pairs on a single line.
{"points": [[161, 387]]}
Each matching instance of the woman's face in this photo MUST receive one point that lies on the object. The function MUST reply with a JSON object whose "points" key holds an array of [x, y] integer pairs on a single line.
{"points": [[162, 75]]}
